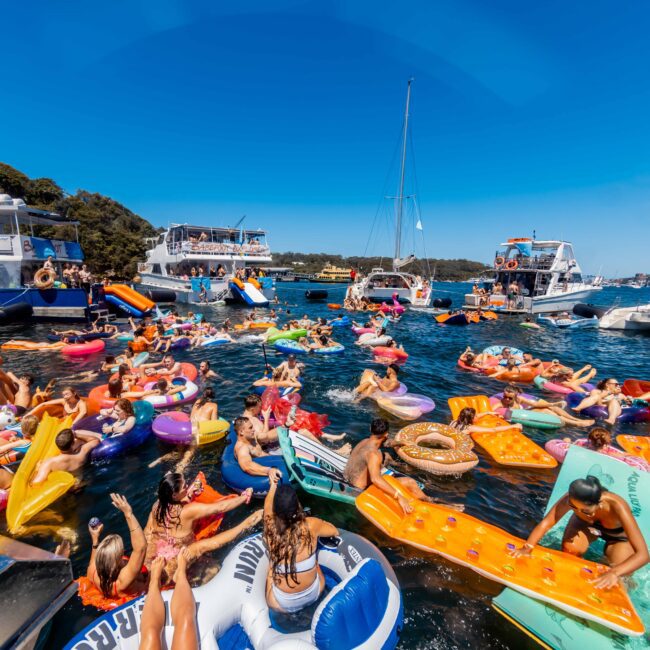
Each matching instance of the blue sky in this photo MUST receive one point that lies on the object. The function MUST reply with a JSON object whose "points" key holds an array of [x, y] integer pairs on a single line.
{"points": [[526, 116]]}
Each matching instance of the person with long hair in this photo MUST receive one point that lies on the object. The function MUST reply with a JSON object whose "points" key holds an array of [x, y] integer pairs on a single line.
{"points": [[124, 416], [170, 526], [513, 399], [467, 422], [597, 514], [71, 403], [608, 394], [205, 408], [108, 569], [294, 580]]}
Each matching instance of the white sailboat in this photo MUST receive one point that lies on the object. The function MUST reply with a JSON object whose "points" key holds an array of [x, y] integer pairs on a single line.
{"points": [[380, 285]]}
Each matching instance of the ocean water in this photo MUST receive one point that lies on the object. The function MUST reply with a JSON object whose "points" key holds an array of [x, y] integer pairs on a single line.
{"points": [[445, 606]]}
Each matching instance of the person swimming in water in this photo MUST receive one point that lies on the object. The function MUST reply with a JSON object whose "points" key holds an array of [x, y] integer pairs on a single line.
{"points": [[597, 514]]}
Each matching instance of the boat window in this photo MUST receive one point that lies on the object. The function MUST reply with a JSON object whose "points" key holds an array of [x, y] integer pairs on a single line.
{"points": [[156, 269]]}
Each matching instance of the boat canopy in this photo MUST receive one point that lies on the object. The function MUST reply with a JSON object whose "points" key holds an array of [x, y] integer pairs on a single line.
{"points": [[17, 210]]}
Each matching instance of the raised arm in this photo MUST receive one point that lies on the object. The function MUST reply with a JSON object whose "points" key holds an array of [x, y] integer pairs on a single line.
{"points": [[138, 544], [193, 511]]}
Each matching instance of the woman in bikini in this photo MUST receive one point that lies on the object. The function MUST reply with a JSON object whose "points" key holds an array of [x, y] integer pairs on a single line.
{"points": [[171, 522], [108, 569], [294, 580], [597, 514]]}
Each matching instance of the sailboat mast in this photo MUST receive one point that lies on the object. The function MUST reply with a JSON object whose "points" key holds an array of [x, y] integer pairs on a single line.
{"points": [[400, 194]]}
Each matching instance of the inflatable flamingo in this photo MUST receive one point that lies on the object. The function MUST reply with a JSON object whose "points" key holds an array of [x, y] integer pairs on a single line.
{"points": [[397, 308]]}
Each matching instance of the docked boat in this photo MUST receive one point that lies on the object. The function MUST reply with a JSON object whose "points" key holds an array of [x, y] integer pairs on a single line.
{"points": [[210, 265], [380, 285], [22, 254], [545, 273], [627, 318], [331, 273]]}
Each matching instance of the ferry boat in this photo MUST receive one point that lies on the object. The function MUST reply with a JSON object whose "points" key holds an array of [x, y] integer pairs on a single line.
{"points": [[187, 259], [22, 253], [546, 273], [380, 285], [331, 273]]}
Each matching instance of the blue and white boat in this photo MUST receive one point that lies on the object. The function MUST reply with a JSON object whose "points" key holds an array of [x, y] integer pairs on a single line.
{"points": [[22, 253], [188, 258]]}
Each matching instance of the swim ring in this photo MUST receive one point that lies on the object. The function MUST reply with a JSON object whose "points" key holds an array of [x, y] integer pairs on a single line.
{"points": [[390, 353], [408, 406], [289, 346], [235, 477], [457, 456], [176, 428], [362, 609], [629, 414], [559, 449], [189, 394], [286, 334], [330, 349], [545, 384], [82, 349], [119, 444]]}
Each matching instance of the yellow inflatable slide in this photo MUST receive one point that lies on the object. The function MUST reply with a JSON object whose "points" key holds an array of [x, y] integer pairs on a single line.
{"points": [[26, 500]]}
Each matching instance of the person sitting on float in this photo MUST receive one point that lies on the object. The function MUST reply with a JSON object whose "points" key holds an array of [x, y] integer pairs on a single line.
{"points": [[295, 580]]}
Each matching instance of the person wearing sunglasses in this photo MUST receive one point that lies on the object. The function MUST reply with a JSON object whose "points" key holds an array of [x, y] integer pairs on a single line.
{"points": [[597, 514], [608, 394]]}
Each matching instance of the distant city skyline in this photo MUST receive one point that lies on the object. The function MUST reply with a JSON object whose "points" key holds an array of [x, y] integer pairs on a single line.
{"points": [[525, 117]]}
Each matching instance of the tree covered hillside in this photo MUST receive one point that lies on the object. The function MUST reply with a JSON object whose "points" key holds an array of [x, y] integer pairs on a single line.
{"points": [[112, 237]]}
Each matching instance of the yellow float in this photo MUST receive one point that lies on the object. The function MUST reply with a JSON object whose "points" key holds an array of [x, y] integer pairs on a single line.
{"points": [[510, 447], [27, 500], [456, 457], [560, 579]]}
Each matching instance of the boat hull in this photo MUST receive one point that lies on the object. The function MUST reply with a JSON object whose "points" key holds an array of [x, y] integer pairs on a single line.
{"points": [[50, 304]]}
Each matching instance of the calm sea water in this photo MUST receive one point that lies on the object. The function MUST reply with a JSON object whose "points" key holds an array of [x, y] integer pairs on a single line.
{"points": [[445, 606]]}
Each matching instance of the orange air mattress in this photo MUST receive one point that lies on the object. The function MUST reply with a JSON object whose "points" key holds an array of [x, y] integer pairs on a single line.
{"points": [[554, 577], [510, 447]]}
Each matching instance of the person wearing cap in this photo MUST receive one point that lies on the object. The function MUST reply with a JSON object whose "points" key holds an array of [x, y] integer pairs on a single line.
{"points": [[290, 368]]}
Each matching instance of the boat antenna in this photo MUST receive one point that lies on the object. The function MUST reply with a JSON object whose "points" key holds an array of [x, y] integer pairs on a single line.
{"points": [[400, 194]]}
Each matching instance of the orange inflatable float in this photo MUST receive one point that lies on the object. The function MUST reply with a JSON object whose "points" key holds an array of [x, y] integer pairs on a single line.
{"points": [[510, 447], [97, 399], [636, 387], [554, 577], [517, 375], [333, 305], [635, 445], [261, 325], [456, 457]]}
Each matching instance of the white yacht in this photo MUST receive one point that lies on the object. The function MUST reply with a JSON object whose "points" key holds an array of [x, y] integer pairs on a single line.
{"points": [[546, 273], [627, 318], [380, 285], [187, 258]]}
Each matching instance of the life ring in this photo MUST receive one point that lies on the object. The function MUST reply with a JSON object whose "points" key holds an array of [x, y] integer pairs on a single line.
{"points": [[456, 458], [499, 261], [44, 278], [511, 265]]}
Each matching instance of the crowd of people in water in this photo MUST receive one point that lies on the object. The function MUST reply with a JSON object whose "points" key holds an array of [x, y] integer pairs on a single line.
{"points": [[160, 554]]}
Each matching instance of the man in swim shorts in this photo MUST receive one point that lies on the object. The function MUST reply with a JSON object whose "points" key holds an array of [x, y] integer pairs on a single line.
{"points": [[247, 448], [252, 411], [75, 448], [364, 467], [290, 368], [165, 368]]}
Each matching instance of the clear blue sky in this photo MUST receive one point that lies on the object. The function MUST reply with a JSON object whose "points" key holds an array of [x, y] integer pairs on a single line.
{"points": [[525, 116]]}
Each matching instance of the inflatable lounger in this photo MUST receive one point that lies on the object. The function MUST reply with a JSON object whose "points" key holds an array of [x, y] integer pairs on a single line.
{"points": [[556, 628], [316, 468], [551, 576], [362, 610]]}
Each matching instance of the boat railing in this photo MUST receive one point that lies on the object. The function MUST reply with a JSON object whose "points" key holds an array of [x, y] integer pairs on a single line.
{"points": [[218, 248], [534, 263]]}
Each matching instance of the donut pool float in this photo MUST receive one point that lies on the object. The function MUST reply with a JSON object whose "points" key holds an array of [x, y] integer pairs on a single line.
{"points": [[456, 457]]}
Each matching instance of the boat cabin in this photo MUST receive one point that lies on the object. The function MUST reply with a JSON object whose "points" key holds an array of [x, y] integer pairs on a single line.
{"points": [[29, 236]]}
